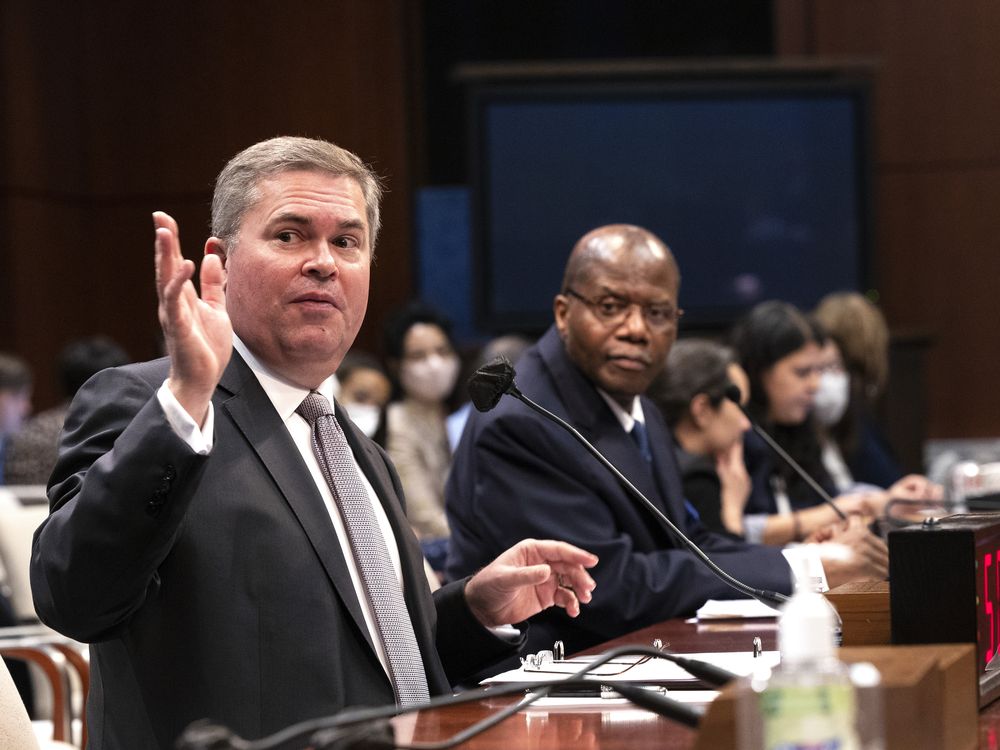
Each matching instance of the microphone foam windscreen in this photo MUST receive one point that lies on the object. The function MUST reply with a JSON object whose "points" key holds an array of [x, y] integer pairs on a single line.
{"points": [[490, 382]]}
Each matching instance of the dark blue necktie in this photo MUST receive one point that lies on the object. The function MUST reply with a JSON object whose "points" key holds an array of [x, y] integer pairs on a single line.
{"points": [[641, 438], [639, 434]]}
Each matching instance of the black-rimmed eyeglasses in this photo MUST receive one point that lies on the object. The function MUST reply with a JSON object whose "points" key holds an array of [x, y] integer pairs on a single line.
{"points": [[612, 310]]}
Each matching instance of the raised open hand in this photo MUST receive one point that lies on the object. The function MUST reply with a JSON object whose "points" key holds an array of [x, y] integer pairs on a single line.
{"points": [[197, 331]]}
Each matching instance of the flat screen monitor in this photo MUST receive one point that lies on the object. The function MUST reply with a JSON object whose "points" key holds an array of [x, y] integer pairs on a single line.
{"points": [[759, 187]]}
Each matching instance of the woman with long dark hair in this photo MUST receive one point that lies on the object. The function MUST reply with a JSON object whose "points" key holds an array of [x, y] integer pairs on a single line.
{"points": [[780, 350]]}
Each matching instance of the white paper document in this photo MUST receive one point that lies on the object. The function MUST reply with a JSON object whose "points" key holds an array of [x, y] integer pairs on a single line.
{"points": [[734, 609], [650, 671]]}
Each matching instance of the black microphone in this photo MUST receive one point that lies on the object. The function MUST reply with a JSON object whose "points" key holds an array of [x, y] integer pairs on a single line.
{"points": [[734, 395], [490, 382]]}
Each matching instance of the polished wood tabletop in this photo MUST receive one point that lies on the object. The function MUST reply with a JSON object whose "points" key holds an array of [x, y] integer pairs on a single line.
{"points": [[621, 727]]}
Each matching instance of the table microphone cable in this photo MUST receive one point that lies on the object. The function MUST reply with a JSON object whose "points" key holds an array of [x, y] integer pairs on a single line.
{"points": [[370, 729]]}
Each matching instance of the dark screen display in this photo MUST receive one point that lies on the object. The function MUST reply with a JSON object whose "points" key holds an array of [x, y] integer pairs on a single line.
{"points": [[760, 194]]}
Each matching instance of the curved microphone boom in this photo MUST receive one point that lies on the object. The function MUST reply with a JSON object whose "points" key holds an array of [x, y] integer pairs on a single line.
{"points": [[734, 395], [488, 385]]}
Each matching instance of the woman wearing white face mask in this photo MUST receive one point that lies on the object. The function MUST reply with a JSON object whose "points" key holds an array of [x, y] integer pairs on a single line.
{"points": [[365, 390], [422, 358], [856, 365]]}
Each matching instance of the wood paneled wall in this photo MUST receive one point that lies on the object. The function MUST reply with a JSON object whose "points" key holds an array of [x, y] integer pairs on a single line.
{"points": [[937, 181], [109, 111]]}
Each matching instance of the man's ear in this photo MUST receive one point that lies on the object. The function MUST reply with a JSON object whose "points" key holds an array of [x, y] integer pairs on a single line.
{"points": [[215, 246], [560, 309]]}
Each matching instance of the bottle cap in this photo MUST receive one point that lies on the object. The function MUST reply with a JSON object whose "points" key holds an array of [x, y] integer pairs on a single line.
{"points": [[807, 628]]}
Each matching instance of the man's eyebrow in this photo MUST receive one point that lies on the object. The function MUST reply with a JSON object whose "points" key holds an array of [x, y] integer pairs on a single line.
{"points": [[289, 217], [294, 218], [352, 224], [607, 291]]}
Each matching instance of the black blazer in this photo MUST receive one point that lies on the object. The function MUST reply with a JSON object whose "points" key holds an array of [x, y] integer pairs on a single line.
{"points": [[214, 586]]}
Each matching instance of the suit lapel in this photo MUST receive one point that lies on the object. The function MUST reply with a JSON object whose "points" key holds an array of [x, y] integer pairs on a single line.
{"points": [[591, 415], [245, 402]]}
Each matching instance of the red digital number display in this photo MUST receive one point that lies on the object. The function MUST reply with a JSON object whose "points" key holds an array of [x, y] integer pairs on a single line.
{"points": [[991, 584]]}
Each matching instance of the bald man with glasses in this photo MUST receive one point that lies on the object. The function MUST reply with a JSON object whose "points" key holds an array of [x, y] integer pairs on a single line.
{"points": [[516, 475]]}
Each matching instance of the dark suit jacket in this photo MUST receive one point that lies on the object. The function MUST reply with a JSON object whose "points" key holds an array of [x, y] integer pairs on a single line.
{"points": [[214, 586], [517, 475]]}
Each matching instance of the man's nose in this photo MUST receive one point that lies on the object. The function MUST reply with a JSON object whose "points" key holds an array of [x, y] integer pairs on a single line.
{"points": [[634, 324], [321, 261]]}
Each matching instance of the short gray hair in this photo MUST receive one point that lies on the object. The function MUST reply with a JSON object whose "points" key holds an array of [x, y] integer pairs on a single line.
{"points": [[236, 187]]}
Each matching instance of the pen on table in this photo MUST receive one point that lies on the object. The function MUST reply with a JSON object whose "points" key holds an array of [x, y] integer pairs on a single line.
{"points": [[596, 690], [582, 690]]}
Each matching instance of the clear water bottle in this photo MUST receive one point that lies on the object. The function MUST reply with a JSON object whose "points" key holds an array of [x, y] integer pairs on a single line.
{"points": [[812, 699]]}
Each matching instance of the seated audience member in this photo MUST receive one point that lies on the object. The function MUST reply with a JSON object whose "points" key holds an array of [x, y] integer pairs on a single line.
{"points": [[15, 405], [365, 389], [422, 358], [15, 402], [32, 453], [517, 475], [859, 331], [511, 347], [707, 428], [832, 403], [229, 543], [781, 351]]}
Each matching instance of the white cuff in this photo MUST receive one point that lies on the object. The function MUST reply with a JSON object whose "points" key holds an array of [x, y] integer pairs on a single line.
{"points": [[199, 439], [506, 632], [807, 567], [753, 527]]}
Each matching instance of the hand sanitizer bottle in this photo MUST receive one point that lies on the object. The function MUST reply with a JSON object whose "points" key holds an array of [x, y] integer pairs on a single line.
{"points": [[812, 700]]}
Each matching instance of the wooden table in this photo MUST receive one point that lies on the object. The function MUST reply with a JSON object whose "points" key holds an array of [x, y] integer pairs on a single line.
{"points": [[618, 728]]}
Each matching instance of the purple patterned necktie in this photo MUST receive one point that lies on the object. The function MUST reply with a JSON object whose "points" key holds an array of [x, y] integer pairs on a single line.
{"points": [[392, 620]]}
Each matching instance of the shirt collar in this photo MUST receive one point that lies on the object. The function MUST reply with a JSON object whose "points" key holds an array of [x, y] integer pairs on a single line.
{"points": [[627, 419], [285, 396]]}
